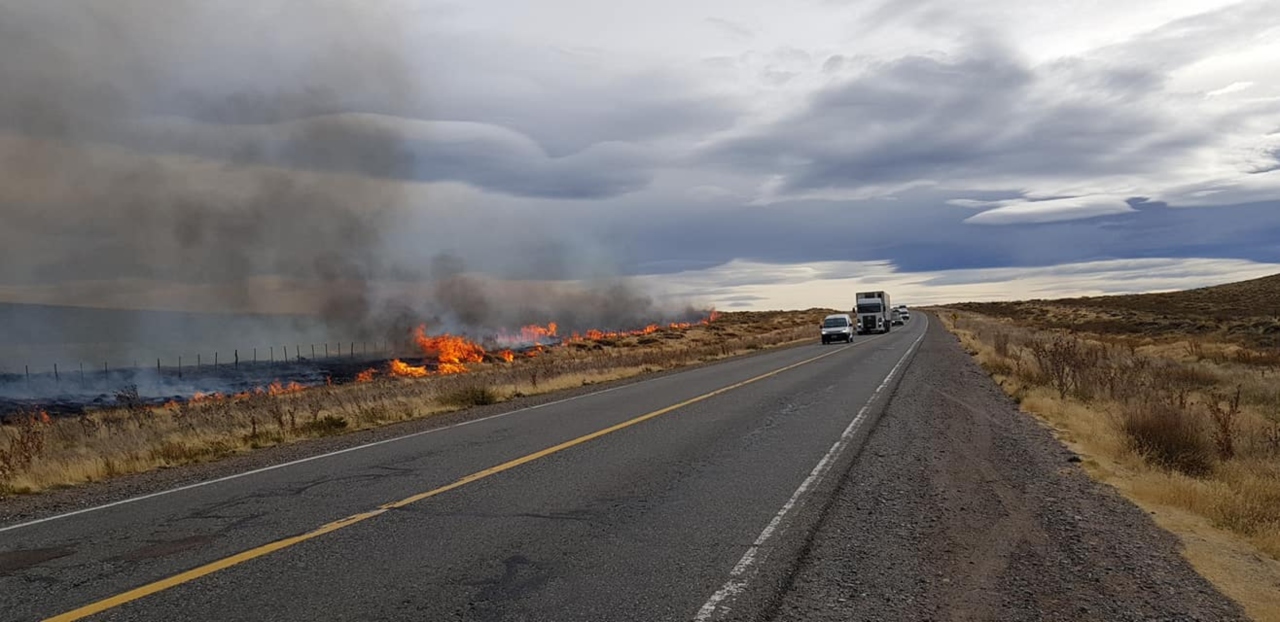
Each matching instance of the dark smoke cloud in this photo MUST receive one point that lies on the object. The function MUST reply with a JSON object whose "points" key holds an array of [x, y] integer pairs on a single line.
{"points": [[83, 85], [171, 144]]}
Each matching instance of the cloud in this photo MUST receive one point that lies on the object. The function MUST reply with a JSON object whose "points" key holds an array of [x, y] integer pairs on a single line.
{"points": [[1048, 210], [941, 287], [1234, 87], [484, 155], [342, 89], [979, 119], [731, 28]]}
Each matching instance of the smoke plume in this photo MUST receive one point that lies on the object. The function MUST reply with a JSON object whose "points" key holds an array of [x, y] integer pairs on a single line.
{"points": [[235, 155]]}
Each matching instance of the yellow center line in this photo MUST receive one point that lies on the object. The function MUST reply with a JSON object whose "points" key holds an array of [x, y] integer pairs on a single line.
{"points": [[271, 547]]}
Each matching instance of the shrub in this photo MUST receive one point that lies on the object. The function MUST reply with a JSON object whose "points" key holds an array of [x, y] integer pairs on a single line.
{"points": [[1168, 437], [324, 426], [1002, 344], [1223, 411], [24, 446], [475, 395]]}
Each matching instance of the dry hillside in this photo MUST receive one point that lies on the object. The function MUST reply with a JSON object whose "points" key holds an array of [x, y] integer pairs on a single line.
{"points": [[1245, 313]]}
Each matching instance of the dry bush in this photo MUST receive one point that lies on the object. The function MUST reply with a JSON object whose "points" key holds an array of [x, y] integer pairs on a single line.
{"points": [[474, 395], [327, 425], [1168, 437], [1001, 342], [24, 444], [1224, 411]]}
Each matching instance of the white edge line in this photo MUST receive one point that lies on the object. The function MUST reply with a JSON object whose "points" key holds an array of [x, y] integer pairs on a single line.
{"points": [[282, 465], [737, 576]]}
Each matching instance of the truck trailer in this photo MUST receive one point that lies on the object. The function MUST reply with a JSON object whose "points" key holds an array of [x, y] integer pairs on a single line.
{"points": [[874, 312]]}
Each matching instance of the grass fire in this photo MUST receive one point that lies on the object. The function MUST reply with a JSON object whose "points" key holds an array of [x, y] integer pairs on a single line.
{"points": [[446, 372]]}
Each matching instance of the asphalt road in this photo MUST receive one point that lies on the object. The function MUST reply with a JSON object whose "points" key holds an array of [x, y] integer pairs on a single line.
{"points": [[688, 496]]}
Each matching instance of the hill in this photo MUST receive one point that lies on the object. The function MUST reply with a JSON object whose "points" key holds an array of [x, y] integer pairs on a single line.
{"points": [[1246, 313]]}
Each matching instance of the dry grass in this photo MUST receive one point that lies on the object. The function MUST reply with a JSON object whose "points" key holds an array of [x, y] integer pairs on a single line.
{"points": [[1242, 319], [38, 453], [1193, 438]]}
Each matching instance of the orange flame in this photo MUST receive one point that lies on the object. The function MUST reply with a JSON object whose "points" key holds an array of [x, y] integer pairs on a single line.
{"points": [[507, 355], [200, 396], [449, 369], [276, 388], [451, 351], [533, 332], [403, 370], [366, 375]]}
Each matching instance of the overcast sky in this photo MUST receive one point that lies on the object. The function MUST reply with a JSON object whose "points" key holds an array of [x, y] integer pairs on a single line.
{"points": [[745, 154]]}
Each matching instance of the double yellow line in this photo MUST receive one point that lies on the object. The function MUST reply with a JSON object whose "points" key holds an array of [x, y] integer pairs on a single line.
{"points": [[342, 523]]}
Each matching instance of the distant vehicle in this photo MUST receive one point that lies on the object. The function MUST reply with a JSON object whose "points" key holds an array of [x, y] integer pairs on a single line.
{"points": [[896, 317], [905, 313], [837, 327], [873, 312]]}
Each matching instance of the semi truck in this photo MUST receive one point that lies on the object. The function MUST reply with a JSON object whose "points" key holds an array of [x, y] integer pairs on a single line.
{"points": [[874, 312]]}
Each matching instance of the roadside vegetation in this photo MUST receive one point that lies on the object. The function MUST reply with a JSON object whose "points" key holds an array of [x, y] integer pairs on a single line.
{"points": [[39, 452], [1172, 398]]}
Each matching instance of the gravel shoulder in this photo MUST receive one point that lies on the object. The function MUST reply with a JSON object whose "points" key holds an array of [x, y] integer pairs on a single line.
{"points": [[960, 507]]}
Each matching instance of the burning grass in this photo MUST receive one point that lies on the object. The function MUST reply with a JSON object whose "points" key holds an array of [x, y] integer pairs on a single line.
{"points": [[38, 452], [1182, 433]]}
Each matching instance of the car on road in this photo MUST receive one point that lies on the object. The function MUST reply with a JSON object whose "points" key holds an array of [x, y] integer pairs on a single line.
{"points": [[897, 317], [837, 327]]}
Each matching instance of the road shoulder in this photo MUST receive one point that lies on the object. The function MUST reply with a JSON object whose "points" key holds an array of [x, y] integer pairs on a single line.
{"points": [[961, 507]]}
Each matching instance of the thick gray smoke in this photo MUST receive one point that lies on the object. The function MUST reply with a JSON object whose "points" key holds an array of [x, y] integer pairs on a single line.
{"points": [[131, 150], [153, 152], [474, 302]]}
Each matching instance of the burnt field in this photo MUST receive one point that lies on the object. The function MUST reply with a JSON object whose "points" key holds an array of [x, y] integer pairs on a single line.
{"points": [[66, 360], [65, 383], [70, 392]]}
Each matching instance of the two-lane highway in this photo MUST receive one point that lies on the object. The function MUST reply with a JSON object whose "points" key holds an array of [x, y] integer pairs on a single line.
{"points": [[678, 498]]}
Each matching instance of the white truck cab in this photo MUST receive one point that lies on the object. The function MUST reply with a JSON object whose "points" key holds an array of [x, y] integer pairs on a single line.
{"points": [[874, 312]]}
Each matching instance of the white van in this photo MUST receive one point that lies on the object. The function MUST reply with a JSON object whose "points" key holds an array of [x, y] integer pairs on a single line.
{"points": [[837, 327]]}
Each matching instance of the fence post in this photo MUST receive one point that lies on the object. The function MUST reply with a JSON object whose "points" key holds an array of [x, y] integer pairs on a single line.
{"points": [[326, 349], [157, 366], [215, 359], [255, 356], [198, 364], [179, 367], [272, 349], [236, 353], [297, 352], [28, 370], [56, 379], [313, 351]]}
